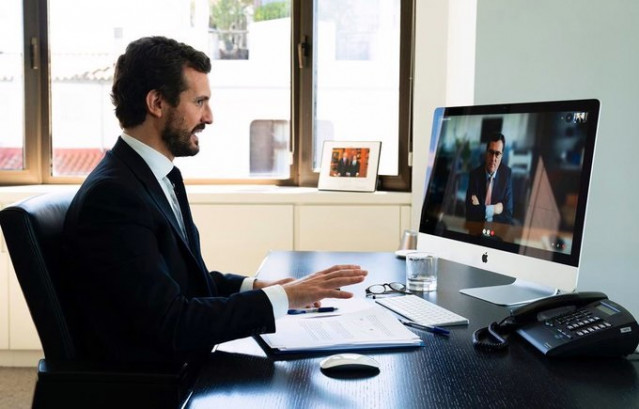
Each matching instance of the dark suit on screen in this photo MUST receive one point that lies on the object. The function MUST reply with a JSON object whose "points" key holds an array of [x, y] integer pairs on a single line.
{"points": [[142, 292], [502, 192]]}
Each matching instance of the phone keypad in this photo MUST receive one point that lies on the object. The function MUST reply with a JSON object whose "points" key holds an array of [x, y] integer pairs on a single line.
{"points": [[579, 323]]}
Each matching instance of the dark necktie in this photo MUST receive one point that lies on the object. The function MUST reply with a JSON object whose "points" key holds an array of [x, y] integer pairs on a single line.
{"points": [[180, 192], [175, 176]]}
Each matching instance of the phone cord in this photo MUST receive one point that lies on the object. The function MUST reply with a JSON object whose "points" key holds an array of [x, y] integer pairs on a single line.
{"points": [[490, 339]]}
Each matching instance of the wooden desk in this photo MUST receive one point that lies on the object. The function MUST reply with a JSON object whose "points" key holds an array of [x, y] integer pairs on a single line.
{"points": [[445, 373]]}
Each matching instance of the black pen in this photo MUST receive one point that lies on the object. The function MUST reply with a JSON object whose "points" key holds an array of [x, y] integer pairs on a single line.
{"points": [[296, 311], [429, 328]]}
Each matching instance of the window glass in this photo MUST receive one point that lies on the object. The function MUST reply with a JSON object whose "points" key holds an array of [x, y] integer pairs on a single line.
{"points": [[356, 87], [11, 86], [249, 43]]}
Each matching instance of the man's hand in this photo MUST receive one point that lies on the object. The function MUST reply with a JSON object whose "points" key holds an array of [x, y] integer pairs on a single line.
{"points": [[323, 284], [499, 208], [474, 200]]}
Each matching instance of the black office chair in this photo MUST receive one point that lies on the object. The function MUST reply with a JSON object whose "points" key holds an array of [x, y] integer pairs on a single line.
{"points": [[33, 232]]}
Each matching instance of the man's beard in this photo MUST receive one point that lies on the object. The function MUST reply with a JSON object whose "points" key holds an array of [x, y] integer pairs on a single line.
{"points": [[178, 140]]}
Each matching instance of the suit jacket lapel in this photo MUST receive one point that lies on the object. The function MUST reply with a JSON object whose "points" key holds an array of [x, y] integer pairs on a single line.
{"points": [[141, 170], [147, 179]]}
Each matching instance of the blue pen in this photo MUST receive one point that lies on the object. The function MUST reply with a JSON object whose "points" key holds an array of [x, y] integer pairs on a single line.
{"points": [[311, 310], [433, 329]]}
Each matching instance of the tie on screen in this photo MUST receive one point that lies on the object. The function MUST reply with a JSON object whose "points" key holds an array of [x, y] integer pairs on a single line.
{"points": [[175, 176], [489, 190]]}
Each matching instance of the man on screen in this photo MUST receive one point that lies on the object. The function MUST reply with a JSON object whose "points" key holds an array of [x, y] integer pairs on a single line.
{"points": [[490, 194]]}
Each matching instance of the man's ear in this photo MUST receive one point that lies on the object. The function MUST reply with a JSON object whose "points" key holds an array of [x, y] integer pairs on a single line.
{"points": [[154, 103]]}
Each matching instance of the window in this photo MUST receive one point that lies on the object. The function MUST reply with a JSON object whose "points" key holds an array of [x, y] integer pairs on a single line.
{"points": [[287, 75], [11, 86], [357, 81]]}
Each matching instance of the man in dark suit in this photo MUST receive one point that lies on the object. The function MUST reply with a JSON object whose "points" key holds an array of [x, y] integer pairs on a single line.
{"points": [[344, 165], [354, 168], [137, 277], [489, 196]]}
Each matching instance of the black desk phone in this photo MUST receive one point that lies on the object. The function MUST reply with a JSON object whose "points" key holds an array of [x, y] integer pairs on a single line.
{"points": [[572, 324]]}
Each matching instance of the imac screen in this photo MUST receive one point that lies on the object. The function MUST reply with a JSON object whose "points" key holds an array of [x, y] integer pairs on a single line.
{"points": [[512, 177]]}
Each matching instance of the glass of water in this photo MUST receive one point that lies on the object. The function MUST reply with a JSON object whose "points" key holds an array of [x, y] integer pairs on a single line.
{"points": [[421, 271]]}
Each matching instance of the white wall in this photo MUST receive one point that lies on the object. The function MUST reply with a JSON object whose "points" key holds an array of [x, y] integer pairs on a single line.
{"points": [[568, 49], [443, 74]]}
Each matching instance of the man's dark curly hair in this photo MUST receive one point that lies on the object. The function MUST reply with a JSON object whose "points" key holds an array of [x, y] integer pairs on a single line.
{"points": [[152, 63]]}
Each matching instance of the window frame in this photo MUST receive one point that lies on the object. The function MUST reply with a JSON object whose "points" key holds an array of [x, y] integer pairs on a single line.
{"points": [[32, 71], [304, 34], [37, 114]]}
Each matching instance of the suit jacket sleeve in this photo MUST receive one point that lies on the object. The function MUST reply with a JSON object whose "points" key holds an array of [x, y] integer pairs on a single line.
{"points": [[504, 192], [477, 187]]}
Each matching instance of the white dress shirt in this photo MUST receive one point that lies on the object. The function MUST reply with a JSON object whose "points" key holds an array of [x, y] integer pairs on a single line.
{"points": [[160, 166]]}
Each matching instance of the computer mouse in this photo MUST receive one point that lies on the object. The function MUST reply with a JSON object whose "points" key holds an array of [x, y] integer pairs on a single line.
{"points": [[349, 363]]}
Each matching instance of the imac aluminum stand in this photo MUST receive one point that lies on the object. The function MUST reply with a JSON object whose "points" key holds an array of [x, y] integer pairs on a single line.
{"points": [[519, 292]]}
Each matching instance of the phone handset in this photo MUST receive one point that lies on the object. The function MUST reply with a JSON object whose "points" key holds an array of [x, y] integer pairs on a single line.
{"points": [[549, 307], [494, 336]]}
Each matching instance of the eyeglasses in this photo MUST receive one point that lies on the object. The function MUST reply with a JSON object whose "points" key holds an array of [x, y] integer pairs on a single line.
{"points": [[494, 153], [386, 288]]}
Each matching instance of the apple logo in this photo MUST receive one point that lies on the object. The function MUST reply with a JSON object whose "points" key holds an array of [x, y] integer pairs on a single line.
{"points": [[484, 257]]}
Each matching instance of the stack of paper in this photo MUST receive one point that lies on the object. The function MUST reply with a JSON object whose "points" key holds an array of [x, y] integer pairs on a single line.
{"points": [[357, 324]]}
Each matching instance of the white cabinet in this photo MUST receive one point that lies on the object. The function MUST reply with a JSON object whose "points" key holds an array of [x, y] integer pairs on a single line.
{"points": [[235, 238], [348, 228], [22, 331], [4, 297]]}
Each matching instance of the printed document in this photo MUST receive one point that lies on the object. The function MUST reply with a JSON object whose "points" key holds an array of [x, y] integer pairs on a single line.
{"points": [[356, 324]]}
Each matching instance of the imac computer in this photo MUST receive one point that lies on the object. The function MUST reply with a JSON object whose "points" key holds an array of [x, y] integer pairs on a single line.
{"points": [[506, 191]]}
